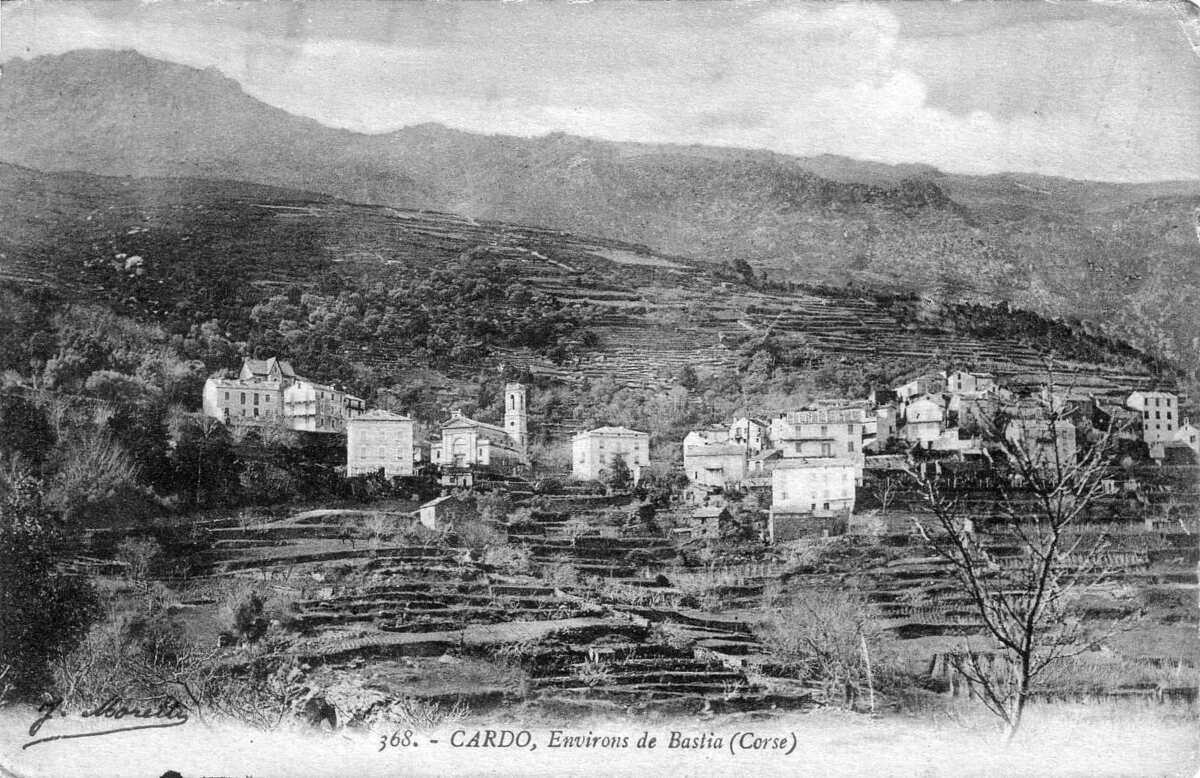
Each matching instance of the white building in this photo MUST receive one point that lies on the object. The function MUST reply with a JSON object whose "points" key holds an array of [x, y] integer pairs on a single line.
{"points": [[1190, 435], [931, 383], [469, 443], [593, 452], [1160, 416], [715, 464], [924, 419], [379, 440], [821, 432], [809, 488], [964, 382]]}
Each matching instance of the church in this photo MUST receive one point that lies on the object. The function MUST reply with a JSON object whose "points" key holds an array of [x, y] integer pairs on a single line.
{"points": [[469, 444]]}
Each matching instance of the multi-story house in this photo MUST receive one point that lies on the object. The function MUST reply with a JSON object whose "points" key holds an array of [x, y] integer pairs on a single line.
{"points": [[379, 440], [822, 432], [715, 464], [1160, 416], [966, 382], [806, 492], [925, 419], [593, 452], [930, 383], [269, 391]]}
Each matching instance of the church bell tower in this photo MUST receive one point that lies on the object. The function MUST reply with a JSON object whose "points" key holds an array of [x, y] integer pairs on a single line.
{"points": [[515, 423]]}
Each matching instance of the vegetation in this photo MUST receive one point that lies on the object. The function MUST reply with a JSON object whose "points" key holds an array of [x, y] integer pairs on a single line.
{"points": [[43, 614], [1027, 605]]}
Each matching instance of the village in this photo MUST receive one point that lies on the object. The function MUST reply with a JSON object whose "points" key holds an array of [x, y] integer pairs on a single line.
{"points": [[807, 468]]}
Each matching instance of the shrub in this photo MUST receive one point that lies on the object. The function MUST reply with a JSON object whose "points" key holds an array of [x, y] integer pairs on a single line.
{"points": [[514, 560], [478, 536], [560, 572], [43, 615], [825, 631], [242, 612], [139, 554]]}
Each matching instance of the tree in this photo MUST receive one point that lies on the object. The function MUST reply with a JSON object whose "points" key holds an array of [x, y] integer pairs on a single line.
{"points": [[43, 614], [617, 476], [24, 429], [206, 468], [1024, 600]]}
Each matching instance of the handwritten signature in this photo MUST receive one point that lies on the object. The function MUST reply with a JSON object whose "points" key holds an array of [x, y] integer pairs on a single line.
{"points": [[171, 711]]}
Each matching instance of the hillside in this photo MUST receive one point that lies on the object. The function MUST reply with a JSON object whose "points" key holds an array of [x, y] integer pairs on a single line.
{"points": [[1124, 256], [343, 288]]}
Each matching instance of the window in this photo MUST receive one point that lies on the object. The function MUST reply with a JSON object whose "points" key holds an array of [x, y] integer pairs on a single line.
{"points": [[1168, 415], [824, 430], [256, 402], [850, 446], [243, 398], [227, 397], [256, 411], [850, 428], [1155, 402], [826, 450], [1157, 415]]}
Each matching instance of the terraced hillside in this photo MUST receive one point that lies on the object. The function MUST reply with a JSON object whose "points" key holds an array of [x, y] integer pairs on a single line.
{"points": [[600, 612], [179, 252]]}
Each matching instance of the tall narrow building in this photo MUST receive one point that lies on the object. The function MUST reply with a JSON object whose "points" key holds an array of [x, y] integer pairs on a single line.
{"points": [[515, 419]]}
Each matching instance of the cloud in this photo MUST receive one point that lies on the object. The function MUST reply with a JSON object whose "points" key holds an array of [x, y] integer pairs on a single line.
{"points": [[795, 78]]}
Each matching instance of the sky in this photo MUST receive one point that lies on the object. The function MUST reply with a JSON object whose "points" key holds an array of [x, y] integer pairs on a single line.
{"points": [[1095, 90]]}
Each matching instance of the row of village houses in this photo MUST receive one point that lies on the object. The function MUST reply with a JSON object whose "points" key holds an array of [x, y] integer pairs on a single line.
{"points": [[811, 459], [270, 392]]}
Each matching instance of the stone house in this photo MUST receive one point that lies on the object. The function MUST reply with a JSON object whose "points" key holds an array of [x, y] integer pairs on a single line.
{"points": [[715, 464], [594, 451], [925, 420], [967, 382], [445, 512], [1160, 416], [820, 432], [269, 391], [1189, 434], [750, 433], [380, 440]]}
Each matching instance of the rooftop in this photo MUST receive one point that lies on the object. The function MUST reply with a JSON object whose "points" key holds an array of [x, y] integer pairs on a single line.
{"points": [[609, 431], [813, 462], [380, 415]]}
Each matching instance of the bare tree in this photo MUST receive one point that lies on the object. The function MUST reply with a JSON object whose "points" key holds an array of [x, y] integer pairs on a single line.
{"points": [[885, 488], [1024, 598]]}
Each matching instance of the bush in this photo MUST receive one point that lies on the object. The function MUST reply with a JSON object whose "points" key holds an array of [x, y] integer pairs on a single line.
{"points": [[242, 612], [514, 560], [139, 554], [43, 615], [824, 631], [478, 536], [559, 571]]}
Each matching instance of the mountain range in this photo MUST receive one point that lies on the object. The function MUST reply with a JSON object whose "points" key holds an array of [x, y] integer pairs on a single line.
{"points": [[1122, 255]]}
